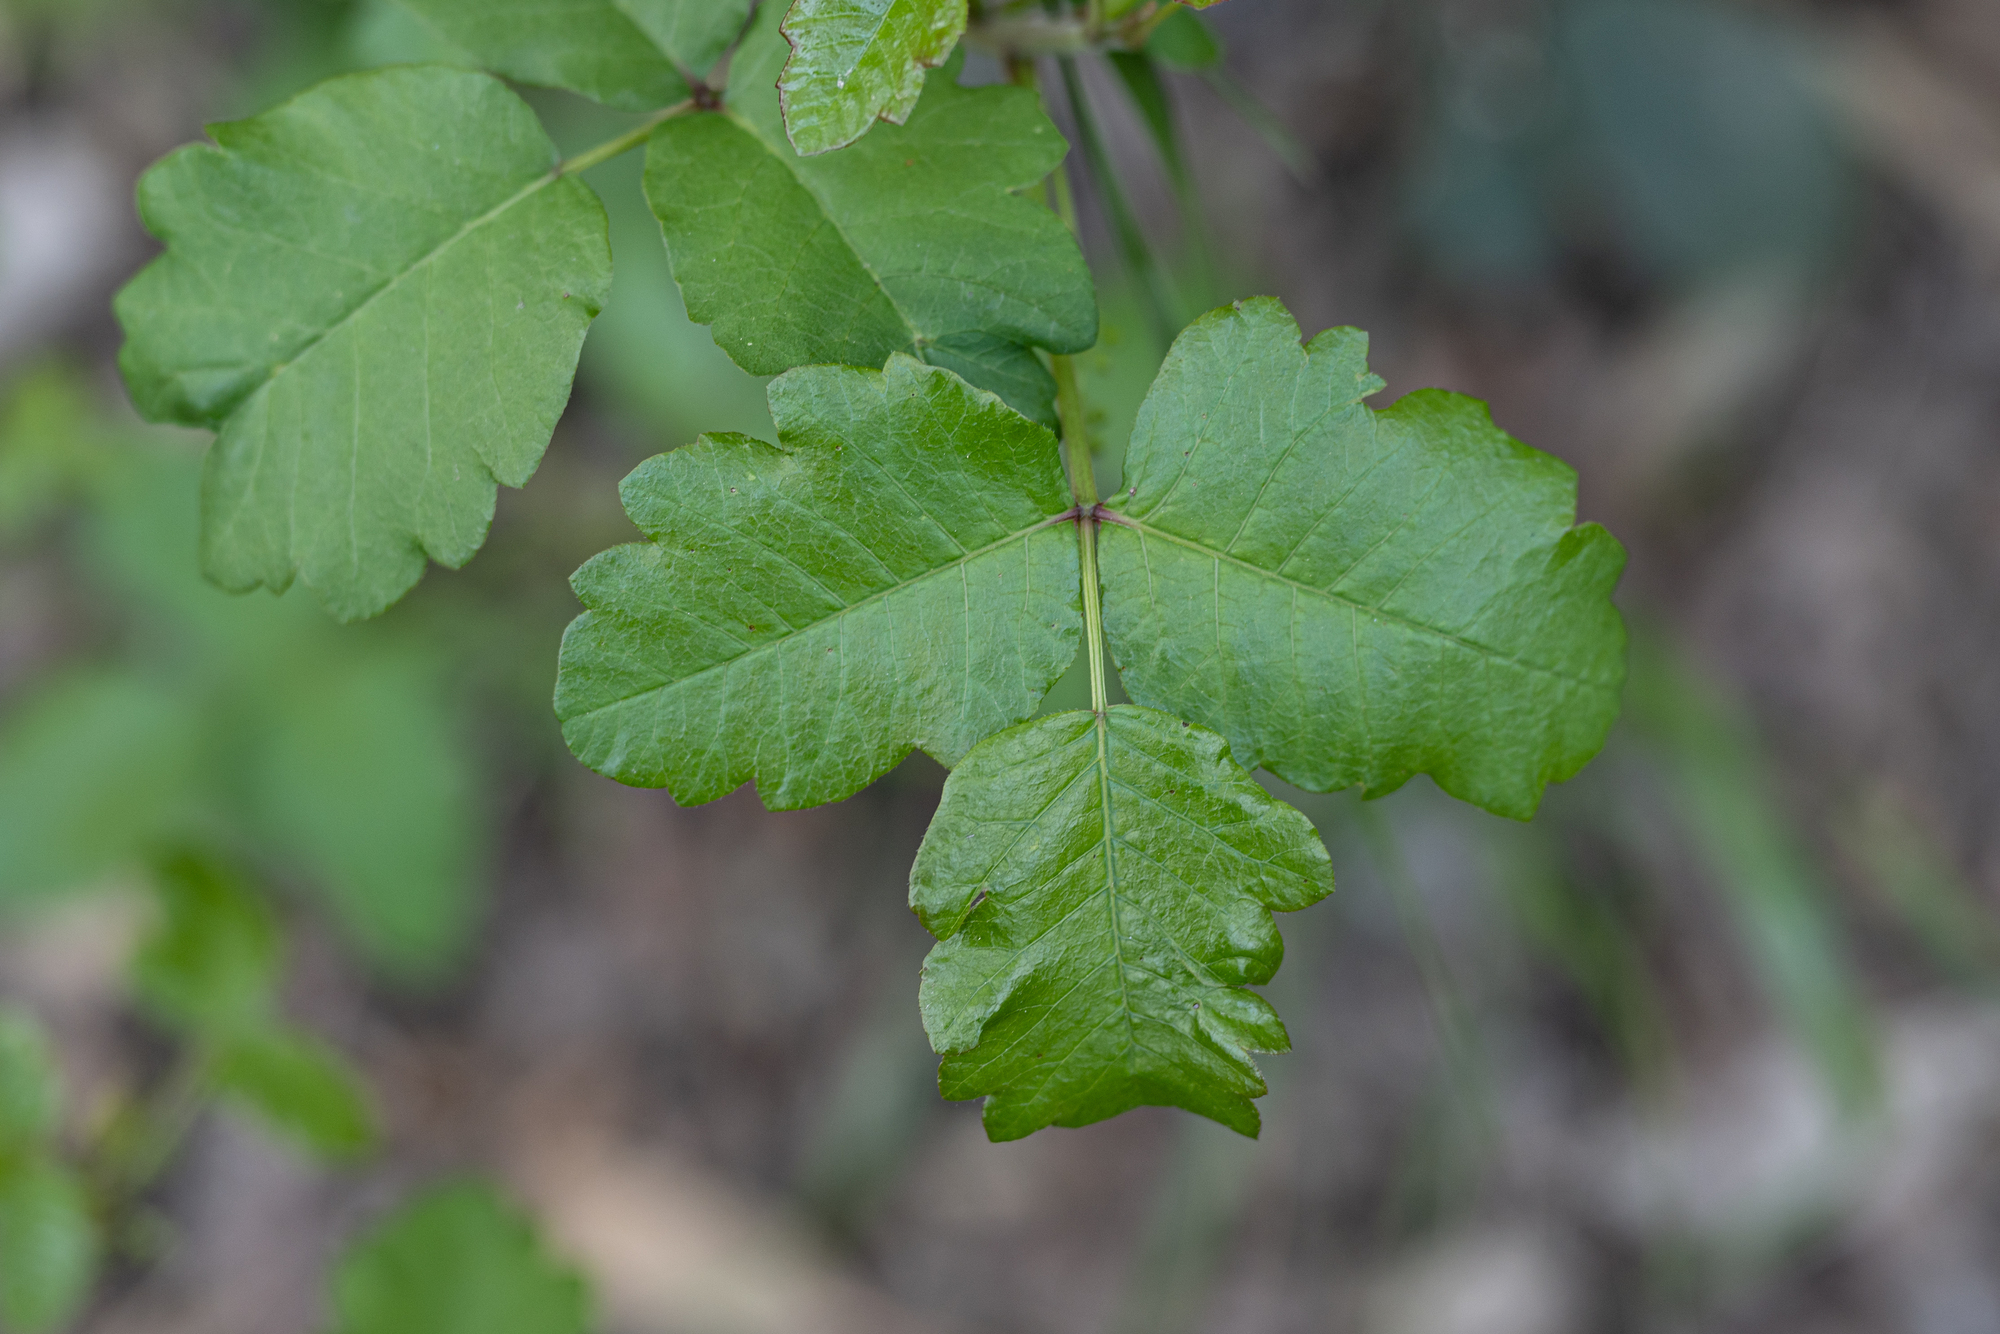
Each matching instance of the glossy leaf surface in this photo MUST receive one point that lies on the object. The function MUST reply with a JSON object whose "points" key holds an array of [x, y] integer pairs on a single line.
{"points": [[456, 1261], [1102, 890], [1351, 596], [886, 577], [632, 54], [376, 293], [856, 60], [910, 241]]}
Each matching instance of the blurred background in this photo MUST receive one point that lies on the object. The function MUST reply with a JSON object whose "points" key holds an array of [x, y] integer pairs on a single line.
{"points": [[1711, 1045]]}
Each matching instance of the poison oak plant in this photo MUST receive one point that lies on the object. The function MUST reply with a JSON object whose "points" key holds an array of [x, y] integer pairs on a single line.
{"points": [[376, 294]]}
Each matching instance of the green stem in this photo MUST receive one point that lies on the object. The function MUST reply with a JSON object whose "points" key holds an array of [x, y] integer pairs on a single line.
{"points": [[1075, 421], [1093, 608], [1075, 434], [623, 143]]}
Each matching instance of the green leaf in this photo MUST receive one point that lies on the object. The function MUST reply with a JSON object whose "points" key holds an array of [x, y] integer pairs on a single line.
{"points": [[910, 241], [210, 966], [457, 1261], [48, 1245], [376, 293], [854, 61], [693, 33], [887, 577], [1350, 596], [95, 769], [303, 1088], [30, 1085], [1101, 887], [633, 54]]}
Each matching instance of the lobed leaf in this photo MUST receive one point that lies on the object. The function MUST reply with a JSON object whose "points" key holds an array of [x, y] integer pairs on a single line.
{"points": [[1356, 597], [456, 1261], [886, 577], [854, 61], [910, 241], [48, 1245], [637, 55], [376, 293], [1101, 887]]}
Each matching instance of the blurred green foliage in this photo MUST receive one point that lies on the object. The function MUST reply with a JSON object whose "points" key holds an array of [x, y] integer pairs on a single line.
{"points": [[48, 1236], [1587, 931], [250, 727], [1905, 864], [458, 1260], [210, 971], [1719, 782], [212, 962]]}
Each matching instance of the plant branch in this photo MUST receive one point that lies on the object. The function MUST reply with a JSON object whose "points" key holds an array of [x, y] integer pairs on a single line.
{"points": [[1075, 422], [625, 142], [1027, 35]]}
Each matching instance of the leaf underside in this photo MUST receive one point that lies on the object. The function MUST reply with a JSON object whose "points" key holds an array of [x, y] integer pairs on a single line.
{"points": [[632, 54], [1356, 597], [376, 293], [910, 241], [887, 577], [853, 61], [1102, 889]]}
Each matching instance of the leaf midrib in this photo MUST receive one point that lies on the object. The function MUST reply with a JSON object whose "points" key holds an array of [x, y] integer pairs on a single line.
{"points": [[542, 182], [1019, 535], [1102, 723], [1107, 846], [1472, 646]]}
